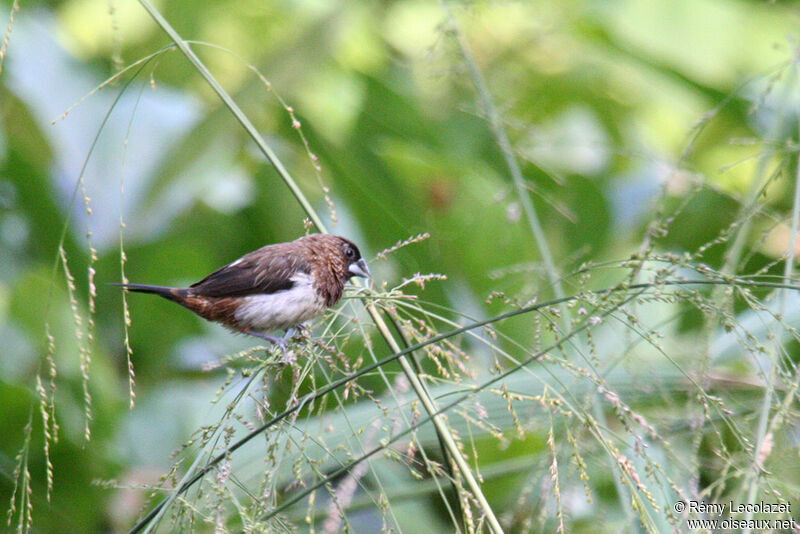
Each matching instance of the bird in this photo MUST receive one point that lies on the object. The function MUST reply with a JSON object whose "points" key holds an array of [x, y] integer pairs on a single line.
{"points": [[277, 287]]}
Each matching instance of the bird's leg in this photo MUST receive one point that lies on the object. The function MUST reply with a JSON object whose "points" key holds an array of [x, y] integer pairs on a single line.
{"points": [[280, 341], [272, 339]]}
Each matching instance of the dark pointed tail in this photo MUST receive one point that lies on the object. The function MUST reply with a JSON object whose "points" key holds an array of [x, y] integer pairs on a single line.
{"points": [[170, 293]]}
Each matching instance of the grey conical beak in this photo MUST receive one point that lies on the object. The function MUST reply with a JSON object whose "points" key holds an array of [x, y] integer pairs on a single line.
{"points": [[359, 268]]}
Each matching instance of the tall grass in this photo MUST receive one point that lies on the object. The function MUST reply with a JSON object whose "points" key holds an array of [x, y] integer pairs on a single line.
{"points": [[603, 404]]}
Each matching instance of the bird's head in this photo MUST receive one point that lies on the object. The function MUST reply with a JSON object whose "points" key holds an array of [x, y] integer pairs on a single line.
{"points": [[333, 258], [356, 266]]}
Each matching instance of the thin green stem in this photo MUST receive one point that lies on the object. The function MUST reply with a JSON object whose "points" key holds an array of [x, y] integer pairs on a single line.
{"points": [[237, 112], [498, 129], [439, 422], [730, 265], [759, 454], [501, 137]]}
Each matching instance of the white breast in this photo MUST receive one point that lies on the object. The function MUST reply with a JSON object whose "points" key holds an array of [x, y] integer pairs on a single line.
{"points": [[282, 309]]}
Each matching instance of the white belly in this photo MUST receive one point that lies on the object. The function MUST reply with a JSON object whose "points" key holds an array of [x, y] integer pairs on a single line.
{"points": [[283, 309]]}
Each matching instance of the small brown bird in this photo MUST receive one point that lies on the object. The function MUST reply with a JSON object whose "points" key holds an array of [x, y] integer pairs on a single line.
{"points": [[276, 287]]}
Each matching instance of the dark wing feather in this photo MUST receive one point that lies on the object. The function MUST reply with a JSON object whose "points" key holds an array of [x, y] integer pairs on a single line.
{"points": [[266, 270]]}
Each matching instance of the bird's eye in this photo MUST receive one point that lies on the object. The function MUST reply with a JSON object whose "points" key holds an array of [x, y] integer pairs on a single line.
{"points": [[349, 252]]}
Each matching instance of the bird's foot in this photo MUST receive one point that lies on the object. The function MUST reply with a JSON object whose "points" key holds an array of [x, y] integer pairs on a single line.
{"points": [[301, 332], [282, 342], [290, 333]]}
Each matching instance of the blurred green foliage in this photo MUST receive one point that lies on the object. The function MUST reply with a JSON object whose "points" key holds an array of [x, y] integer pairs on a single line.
{"points": [[617, 111]]}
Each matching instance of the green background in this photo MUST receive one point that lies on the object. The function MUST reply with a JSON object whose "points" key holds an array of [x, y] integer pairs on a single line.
{"points": [[616, 111]]}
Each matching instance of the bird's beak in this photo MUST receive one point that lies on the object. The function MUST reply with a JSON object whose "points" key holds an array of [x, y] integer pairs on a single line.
{"points": [[359, 268]]}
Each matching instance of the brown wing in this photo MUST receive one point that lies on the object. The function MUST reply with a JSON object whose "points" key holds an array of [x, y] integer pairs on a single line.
{"points": [[266, 270]]}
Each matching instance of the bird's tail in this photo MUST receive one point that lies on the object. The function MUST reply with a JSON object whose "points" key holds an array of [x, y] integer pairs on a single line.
{"points": [[170, 293]]}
